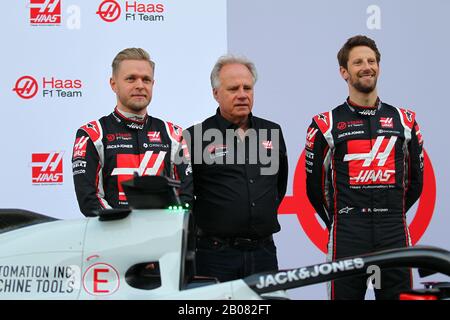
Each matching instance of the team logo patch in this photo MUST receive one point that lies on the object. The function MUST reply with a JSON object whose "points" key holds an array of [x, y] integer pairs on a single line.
{"points": [[267, 144], [342, 125], [418, 134], [216, 151], [152, 164], [310, 137], [154, 136], [135, 126], [371, 162], [367, 112], [79, 148], [387, 122]]}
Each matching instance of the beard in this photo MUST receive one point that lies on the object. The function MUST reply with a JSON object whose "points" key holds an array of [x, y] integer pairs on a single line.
{"points": [[362, 87]]}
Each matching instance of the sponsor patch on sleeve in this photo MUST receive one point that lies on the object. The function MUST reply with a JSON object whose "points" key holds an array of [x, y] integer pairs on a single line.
{"points": [[418, 134], [310, 137], [79, 148]]}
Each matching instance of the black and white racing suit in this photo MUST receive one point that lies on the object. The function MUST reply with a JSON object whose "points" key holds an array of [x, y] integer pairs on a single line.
{"points": [[364, 169], [110, 150]]}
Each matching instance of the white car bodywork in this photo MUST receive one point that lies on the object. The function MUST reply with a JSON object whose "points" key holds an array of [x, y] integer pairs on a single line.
{"points": [[89, 259], [149, 254]]}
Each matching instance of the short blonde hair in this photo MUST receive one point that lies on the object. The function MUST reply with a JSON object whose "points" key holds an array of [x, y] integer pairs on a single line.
{"points": [[131, 54]]}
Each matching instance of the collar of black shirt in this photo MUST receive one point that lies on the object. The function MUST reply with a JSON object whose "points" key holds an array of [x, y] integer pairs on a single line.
{"points": [[224, 124]]}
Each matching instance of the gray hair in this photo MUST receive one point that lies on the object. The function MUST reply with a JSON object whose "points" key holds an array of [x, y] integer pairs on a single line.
{"points": [[131, 54], [230, 59]]}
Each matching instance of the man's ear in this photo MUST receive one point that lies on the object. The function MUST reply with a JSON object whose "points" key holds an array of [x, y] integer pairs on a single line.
{"points": [[112, 83], [215, 94], [344, 73]]}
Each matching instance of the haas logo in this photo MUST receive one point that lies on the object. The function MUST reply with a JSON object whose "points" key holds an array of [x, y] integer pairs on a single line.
{"points": [[26, 87], [45, 12], [79, 148], [154, 136], [387, 122], [267, 144], [297, 203], [310, 136], [109, 10], [47, 168], [362, 171], [152, 164]]}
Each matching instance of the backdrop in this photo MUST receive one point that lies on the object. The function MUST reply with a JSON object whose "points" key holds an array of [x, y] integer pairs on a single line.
{"points": [[56, 61]]}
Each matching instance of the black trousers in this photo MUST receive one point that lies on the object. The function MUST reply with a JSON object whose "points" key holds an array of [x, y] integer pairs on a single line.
{"points": [[227, 259], [360, 234]]}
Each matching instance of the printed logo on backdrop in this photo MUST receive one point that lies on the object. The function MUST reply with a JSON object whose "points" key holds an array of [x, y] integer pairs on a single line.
{"points": [[47, 168], [45, 12], [48, 13], [27, 87], [131, 11], [298, 204]]}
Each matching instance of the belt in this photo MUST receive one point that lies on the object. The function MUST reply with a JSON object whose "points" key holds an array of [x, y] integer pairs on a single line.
{"points": [[237, 242]]}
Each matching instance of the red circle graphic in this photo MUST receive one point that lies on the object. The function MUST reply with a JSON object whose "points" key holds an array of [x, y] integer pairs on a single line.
{"points": [[299, 204], [341, 125], [26, 87], [109, 10], [115, 279]]}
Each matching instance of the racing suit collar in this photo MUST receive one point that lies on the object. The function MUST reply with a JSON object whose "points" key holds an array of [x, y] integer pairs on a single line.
{"points": [[134, 124], [364, 110]]}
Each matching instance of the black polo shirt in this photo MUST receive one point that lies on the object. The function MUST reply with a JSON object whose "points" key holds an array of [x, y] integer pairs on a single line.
{"points": [[232, 197]]}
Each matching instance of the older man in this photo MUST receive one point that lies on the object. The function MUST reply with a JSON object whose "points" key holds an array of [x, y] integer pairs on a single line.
{"points": [[239, 164]]}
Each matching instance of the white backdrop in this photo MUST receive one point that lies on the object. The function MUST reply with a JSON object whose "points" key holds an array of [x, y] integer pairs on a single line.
{"points": [[294, 45], [184, 45]]}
